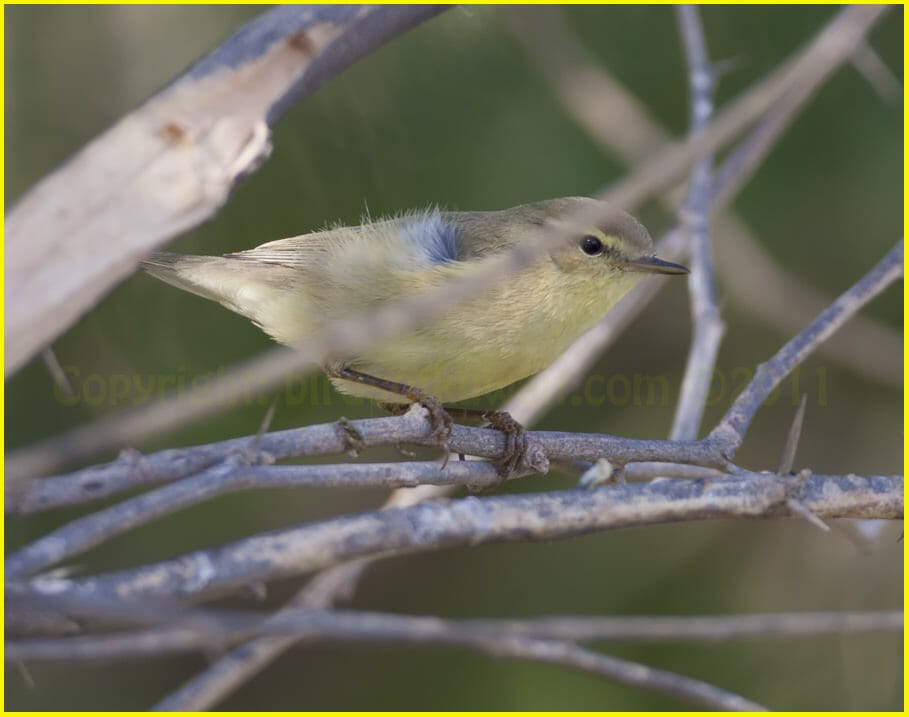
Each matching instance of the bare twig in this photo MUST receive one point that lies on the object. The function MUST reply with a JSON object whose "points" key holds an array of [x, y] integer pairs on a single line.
{"points": [[611, 668], [471, 521], [731, 430], [420, 631], [813, 65], [133, 470], [725, 438], [327, 439], [230, 476], [708, 327], [182, 576], [242, 663], [207, 629], [773, 295], [226, 567]]}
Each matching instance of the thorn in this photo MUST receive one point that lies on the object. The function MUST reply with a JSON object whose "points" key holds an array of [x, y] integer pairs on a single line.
{"points": [[792, 440], [798, 507], [876, 73], [63, 572], [263, 429], [257, 591], [727, 66], [602, 473], [130, 454], [57, 373], [134, 460], [25, 674], [802, 511]]}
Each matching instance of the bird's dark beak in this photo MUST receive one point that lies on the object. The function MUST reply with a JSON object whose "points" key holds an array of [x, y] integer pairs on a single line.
{"points": [[654, 265]]}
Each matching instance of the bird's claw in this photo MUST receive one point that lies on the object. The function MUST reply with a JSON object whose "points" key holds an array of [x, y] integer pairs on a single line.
{"points": [[516, 444], [440, 422]]}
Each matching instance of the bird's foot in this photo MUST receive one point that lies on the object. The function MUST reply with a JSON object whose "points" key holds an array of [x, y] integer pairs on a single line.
{"points": [[440, 420], [515, 443]]}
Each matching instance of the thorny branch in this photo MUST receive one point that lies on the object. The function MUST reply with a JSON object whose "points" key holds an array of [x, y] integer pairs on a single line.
{"points": [[695, 218], [473, 521], [349, 543], [713, 451], [362, 627], [731, 430], [190, 630]]}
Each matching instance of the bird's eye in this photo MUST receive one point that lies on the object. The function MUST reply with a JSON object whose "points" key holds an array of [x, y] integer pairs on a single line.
{"points": [[591, 245]]}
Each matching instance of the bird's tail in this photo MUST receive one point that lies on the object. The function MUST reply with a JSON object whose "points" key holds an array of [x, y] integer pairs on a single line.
{"points": [[211, 277], [253, 289]]}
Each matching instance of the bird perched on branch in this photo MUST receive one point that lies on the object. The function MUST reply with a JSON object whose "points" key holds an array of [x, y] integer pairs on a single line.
{"points": [[292, 288]]}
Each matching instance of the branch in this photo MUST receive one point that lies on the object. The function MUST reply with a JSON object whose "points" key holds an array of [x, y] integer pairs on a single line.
{"points": [[359, 627], [231, 476], [708, 327], [880, 497], [813, 65], [473, 521], [731, 430], [209, 629], [723, 441], [134, 470]]}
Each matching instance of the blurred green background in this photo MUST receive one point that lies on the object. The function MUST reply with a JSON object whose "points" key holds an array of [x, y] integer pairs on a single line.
{"points": [[453, 113]]}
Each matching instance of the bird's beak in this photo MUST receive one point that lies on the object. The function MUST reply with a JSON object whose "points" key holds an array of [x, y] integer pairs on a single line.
{"points": [[654, 265]]}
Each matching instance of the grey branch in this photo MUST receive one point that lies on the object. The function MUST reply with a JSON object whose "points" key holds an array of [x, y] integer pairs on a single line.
{"points": [[134, 470], [171, 163], [473, 521], [724, 440], [731, 430], [351, 626], [210, 629], [695, 214]]}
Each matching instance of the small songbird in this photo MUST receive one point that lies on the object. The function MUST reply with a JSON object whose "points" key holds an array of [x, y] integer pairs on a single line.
{"points": [[292, 288]]}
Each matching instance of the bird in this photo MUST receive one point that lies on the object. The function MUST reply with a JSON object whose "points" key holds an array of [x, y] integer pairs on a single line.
{"points": [[292, 288]]}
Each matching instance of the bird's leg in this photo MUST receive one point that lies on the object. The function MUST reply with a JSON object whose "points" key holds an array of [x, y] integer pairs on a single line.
{"points": [[438, 416], [515, 437], [441, 418]]}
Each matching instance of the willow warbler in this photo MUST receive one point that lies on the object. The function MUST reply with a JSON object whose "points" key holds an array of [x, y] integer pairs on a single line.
{"points": [[292, 288]]}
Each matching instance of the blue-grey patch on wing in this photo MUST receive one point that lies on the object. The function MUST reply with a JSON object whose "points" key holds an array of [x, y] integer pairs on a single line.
{"points": [[433, 239]]}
